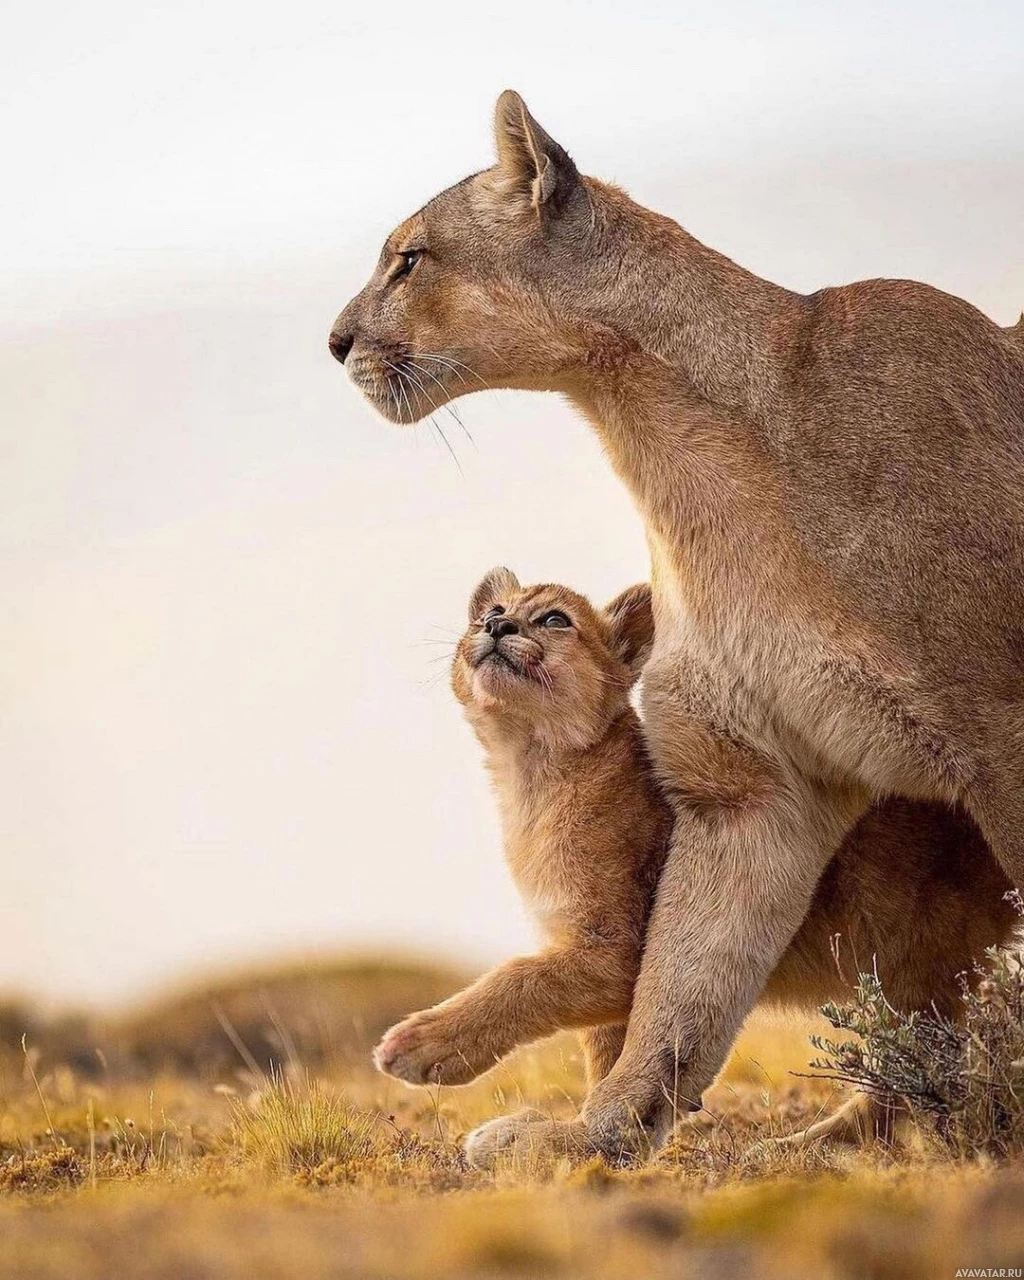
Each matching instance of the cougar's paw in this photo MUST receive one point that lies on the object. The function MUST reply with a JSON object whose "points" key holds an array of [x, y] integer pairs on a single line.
{"points": [[529, 1137], [426, 1048]]}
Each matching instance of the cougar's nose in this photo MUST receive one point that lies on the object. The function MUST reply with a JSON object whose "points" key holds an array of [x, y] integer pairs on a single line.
{"points": [[501, 626], [340, 344]]}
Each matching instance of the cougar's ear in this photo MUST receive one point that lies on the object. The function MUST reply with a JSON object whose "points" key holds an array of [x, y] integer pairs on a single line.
{"points": [[496, 588], [632, 620], [531, 163]]}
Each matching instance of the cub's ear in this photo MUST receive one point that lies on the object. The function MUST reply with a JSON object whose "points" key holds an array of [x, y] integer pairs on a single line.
{"points": [[531, 162], [632, 620], [499, 585]]}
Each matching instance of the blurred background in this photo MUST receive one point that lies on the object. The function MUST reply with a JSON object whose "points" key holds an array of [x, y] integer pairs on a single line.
{"points": [[228, 590]]}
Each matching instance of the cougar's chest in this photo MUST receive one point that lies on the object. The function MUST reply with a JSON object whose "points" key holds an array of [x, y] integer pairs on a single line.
{"points": [[707, 621], [737, 655], [789, 676]]}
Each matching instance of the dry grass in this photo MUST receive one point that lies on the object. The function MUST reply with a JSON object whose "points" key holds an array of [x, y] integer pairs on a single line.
{"points": [[169, 1147]]}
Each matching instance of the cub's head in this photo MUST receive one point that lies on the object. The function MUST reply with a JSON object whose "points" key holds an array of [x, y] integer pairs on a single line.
{"points": [[485, 285], [543, 662]]}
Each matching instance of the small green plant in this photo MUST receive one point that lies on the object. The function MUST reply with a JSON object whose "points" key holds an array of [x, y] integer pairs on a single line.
{"points": [[291, 1129], [966, 1075]]}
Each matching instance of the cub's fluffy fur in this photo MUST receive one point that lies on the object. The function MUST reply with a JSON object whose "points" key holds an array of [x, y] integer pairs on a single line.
{"points": [[544, 679]]}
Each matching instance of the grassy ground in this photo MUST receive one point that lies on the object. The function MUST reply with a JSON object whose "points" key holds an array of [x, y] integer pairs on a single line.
{"points": [[161, 1146]]}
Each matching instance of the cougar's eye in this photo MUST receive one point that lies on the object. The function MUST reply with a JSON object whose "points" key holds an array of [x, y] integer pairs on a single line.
{"points": [[555, 620], [494, 612], [407, 261]]}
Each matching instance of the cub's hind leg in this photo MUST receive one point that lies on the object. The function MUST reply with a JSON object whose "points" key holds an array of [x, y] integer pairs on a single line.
{"points": [[518, 1135], [601, 1048]]}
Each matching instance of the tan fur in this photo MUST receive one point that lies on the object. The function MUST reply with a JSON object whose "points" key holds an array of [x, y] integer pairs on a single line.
{"points": [[833, 489], [585, 828], [913, 892]]}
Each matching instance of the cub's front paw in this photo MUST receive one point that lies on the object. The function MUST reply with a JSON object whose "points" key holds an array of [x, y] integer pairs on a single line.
{"points": [[427, 1048]]}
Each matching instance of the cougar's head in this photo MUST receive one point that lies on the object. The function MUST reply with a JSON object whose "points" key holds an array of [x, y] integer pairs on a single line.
{"points": [[481, 287], [544, 660]]}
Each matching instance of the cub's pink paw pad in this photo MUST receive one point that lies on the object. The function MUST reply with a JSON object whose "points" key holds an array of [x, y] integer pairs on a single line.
{"points": [[422, 1050]]}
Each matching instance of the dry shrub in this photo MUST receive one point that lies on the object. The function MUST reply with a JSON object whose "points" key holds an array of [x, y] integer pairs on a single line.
{"points": [[966, 1077]]}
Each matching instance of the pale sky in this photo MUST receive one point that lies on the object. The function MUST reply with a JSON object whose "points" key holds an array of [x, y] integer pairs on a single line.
{"points": [[223, 733]]}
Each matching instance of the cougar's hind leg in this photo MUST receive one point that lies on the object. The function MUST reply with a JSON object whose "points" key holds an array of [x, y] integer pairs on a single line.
{"points": [[863, 1120]]}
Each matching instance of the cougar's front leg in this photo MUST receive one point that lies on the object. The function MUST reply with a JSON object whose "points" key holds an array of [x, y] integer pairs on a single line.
{"points": [[737, 883], [731, 897], [519, 1001], [752, 836]]}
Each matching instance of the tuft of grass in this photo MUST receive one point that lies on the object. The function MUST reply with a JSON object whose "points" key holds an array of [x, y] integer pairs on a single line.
{"points": [[301, 1129], [54, 1170]]}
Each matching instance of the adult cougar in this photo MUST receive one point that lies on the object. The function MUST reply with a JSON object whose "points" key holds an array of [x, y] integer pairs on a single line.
{"points": [[833, 489]]}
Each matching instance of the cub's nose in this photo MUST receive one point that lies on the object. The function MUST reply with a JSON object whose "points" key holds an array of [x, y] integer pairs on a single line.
{"points": [[501, 626], [340, 345]]}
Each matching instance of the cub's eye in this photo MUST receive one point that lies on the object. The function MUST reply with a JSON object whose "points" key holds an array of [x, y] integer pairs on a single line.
{"points": [[495, 612], [407, 261], [554, 619]]}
